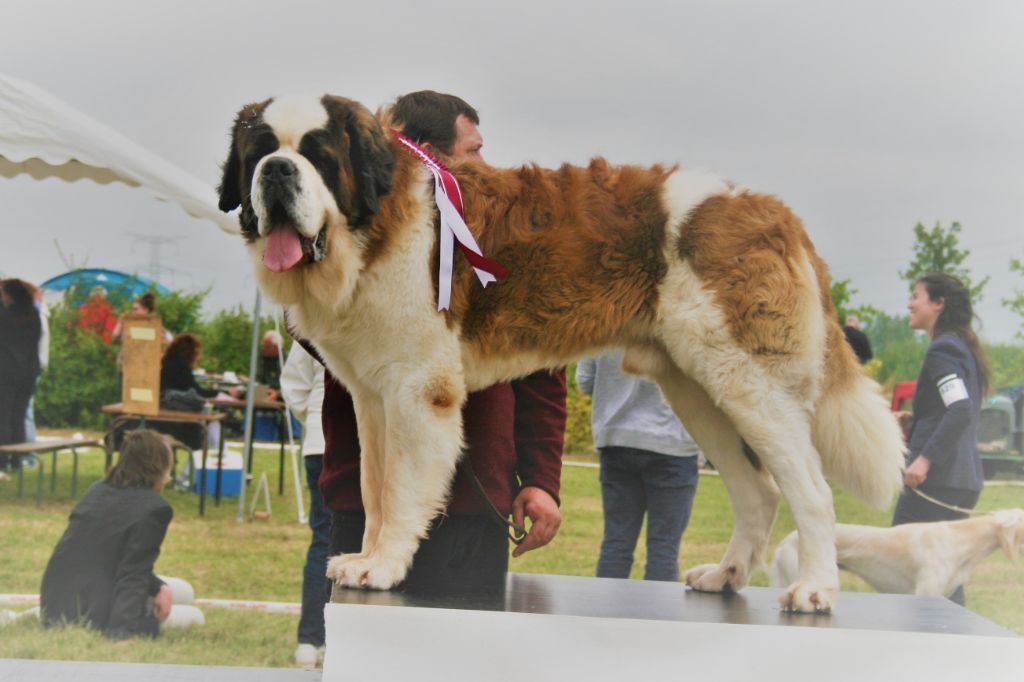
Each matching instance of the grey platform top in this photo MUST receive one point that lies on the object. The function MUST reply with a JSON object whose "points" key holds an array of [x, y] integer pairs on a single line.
{"points": [[607, 598], [568, 596], [79, 671]]}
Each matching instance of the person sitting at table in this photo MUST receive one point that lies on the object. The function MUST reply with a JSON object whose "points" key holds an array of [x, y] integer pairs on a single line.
{"points": [[101, 571], [176, 375]]}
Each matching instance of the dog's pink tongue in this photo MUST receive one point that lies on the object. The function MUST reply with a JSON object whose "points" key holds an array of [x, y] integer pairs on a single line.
{"points": [[283, 249]]}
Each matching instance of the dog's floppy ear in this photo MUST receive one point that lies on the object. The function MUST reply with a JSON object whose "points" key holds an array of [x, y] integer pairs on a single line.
{"points": [[1010, 531], [369, 155], [231, 171], [230, 188]]}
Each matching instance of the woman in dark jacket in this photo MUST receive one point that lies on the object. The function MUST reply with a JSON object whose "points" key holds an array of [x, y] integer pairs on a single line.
{"points": [[101, 571], [942, 459], [179, 361], [20, 329]]}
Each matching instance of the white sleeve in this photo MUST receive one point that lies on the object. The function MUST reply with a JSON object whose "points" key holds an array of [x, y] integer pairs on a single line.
{"points": [[297, 377], [586, 369]]}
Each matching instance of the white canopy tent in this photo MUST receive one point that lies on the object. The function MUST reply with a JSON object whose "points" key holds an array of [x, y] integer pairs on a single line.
{"points": [[44, 137]]}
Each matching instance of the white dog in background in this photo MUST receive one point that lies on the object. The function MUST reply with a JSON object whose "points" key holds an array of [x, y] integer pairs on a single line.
{"points": [[929, 559]]}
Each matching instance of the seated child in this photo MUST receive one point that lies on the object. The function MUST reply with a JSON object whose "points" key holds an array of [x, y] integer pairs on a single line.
{"points": [[101, 572]]}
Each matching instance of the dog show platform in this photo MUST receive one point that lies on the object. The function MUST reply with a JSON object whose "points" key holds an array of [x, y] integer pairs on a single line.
{"points": [[564, 628], [546, 628]]}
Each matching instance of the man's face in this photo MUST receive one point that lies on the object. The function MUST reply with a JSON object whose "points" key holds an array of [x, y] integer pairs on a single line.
{"points": [[468, 141]]}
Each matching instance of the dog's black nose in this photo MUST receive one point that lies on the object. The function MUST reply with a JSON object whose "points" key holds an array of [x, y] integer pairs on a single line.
{"points": [[278, 168]]}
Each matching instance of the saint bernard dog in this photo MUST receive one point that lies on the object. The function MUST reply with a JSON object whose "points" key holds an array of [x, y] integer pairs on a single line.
{"points": [[714, 292]]}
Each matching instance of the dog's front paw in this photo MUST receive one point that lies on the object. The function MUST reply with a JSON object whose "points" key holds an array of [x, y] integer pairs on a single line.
{"points": [[368, 571], [724, 577], [808, 598]]}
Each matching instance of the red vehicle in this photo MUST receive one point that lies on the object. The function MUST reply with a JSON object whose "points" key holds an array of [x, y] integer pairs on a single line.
{"points": [[903, 396]]}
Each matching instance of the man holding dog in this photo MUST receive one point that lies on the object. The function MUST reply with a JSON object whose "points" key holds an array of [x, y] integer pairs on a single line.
{"points": [[513, 432]]}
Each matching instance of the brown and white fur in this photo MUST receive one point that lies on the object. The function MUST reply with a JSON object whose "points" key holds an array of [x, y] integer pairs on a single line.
{"points": [[929, 559], [715, 292]]}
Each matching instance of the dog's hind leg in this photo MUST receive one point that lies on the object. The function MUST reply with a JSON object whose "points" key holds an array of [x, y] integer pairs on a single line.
{"points": [[752, 493], [423, 439], [777, 428]]}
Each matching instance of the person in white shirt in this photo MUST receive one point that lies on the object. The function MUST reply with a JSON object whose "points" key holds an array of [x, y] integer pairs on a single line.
{"points": [[302, 387]]}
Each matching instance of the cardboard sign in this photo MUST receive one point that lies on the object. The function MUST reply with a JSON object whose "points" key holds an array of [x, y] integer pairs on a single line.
{"points": [[140, 363]]}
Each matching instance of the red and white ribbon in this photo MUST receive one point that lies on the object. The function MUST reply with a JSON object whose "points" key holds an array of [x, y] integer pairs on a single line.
{"points": [[453, 228]]}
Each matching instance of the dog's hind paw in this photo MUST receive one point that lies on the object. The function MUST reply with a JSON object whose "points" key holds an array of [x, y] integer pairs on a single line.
{"points": [[367, 571], [804, 598], [724, 577]]}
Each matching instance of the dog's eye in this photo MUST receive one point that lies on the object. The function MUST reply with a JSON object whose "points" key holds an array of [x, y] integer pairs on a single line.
{"points": [[313, 148], [260, 146]]}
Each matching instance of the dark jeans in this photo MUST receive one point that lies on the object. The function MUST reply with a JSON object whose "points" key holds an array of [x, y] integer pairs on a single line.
{"points": [[316, 587], [912, 508], [462, 554], [635, 482], [15, 394]]}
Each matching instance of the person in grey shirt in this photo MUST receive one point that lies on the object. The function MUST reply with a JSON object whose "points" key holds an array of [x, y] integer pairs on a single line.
{"points": [[648, 466]]}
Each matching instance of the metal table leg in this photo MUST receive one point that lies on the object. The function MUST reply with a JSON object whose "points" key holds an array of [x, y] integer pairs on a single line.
{"points": [[202, 475], [220, 467], [39, 481], [74, 473], [21, 476], [281, 434]]}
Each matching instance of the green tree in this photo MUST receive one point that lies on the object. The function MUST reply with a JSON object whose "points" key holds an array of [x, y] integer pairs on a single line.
{"points": [[842, 292], [180, 311], [938, 250], [1016, 304], [227, 339], [898, 349]]}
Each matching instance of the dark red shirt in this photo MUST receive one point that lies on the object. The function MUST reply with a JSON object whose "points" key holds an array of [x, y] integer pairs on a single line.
{"points": [[514, 435]]}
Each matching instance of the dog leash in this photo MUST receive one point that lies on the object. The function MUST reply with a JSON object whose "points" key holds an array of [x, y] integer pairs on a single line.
{"points": [[516, 532], [951, 507]]}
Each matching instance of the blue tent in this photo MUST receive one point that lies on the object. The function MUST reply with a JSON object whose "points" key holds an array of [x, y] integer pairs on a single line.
{"points": [[87, 278]]}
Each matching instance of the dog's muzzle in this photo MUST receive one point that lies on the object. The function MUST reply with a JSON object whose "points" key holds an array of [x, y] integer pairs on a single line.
{"points": [[286, 246]]}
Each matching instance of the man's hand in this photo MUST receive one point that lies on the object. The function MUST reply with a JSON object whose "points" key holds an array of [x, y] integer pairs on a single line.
{"points": [[162, 603], [545, 518], [917, 472]]}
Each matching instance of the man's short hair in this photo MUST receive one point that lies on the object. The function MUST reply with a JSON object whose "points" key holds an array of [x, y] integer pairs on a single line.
{"points": [[429, 117]]}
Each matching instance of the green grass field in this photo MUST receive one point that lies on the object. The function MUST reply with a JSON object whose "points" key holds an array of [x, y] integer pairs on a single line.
{"points": [[262, 560]]}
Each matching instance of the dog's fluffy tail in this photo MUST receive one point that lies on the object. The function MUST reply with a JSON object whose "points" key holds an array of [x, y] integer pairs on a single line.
{"points": [[859, 439]]}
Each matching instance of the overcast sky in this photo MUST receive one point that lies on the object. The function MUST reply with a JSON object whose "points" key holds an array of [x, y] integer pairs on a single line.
{"points": [[865, 117]]}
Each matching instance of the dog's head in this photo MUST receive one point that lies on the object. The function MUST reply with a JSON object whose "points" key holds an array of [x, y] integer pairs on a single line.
{"points": [[300, 167], [1010, 531]]}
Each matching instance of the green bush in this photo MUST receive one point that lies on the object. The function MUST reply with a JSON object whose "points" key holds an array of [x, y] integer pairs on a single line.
{"points": [[180, 311], [227, 339], [82, 375], [1007, 364], [578, 436]]}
